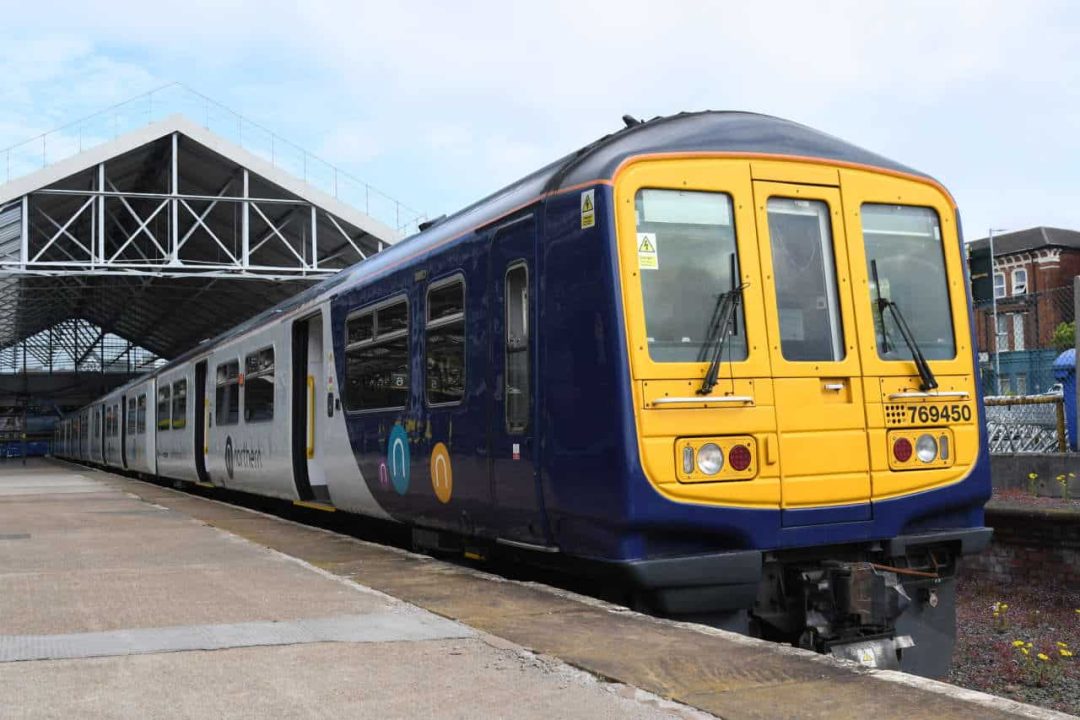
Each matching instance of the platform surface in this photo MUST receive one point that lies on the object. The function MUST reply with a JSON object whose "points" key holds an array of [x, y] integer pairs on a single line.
{"points": [[120, 598]]}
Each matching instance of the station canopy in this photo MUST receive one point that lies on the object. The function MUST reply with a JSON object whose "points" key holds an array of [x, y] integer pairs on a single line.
{"points": [[132, 249]]}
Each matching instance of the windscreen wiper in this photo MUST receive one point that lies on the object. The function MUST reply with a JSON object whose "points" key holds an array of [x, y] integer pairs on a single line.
{"points": [[926, 375], [720, 327]]}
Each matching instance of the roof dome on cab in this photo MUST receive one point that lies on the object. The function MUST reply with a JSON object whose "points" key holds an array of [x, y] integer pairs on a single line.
{"points": [[714, 131]]}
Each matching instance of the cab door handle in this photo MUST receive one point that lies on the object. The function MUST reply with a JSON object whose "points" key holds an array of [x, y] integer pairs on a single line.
{"points": [[833, 387]]}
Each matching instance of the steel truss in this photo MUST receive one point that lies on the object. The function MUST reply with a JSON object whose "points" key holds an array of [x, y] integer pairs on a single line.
{"points": [[244, 226], [76, 346]]}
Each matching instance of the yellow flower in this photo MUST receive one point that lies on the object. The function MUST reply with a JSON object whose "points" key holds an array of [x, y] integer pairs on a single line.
{"points": [[1024, 650], [1018, 643], [1005, 607], [1061, 478], [1043, 657], [1029, 644], [1062, 645], [997, 614], [1065, 653], [1032, 476]]}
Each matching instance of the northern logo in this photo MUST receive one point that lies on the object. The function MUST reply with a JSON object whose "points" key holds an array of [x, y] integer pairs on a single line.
{"points": [[229, 456]]}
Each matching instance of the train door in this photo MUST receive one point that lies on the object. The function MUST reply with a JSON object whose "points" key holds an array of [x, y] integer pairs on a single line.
{"points": [[202, 422], [125, 415], [512, 450], [821, 421], [306, 338], [315, 388]]}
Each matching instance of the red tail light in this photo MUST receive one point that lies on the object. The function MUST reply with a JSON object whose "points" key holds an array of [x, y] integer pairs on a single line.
{"points": [[902, 449], [739, 457]]}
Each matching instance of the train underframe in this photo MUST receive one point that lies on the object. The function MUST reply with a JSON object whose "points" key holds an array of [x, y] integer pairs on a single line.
{"points": [[887, 605]]}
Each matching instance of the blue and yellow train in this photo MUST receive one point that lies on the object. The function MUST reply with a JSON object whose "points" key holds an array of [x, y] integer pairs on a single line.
{"points": [[720, 357]]}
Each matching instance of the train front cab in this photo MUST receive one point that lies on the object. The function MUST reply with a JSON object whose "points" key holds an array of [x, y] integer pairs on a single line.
{"points": [[820, 448]]}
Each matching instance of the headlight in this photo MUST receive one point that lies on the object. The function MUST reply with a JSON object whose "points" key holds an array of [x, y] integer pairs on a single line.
{"points": [[926, 448], [710, 459]]}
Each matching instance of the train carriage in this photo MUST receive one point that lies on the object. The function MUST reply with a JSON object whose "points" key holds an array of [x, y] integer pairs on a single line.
{"points": [[720, 357]]}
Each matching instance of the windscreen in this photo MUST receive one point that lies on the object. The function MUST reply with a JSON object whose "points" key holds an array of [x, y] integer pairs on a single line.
{"points": [[687, 258], [903, 245]]}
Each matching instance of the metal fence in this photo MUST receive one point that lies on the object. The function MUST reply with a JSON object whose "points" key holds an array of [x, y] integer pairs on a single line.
{"points": [[1034, 424], [1018, 345]]}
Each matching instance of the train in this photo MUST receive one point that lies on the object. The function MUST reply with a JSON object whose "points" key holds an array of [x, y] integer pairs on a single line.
{"points": [[721, 359]]}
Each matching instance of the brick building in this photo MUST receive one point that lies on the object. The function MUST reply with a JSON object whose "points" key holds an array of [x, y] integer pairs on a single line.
{"points": [[1032, 283]]}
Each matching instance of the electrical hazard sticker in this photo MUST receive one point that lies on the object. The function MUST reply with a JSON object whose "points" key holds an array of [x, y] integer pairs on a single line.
{"points": [[647, 258], [588, 209]]}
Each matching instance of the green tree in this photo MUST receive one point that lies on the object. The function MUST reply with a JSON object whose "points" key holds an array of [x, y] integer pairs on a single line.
{"points": [[1065, 335]]}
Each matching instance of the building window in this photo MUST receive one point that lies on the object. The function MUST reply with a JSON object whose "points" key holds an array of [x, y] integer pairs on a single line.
{"points": [[179, 404], [517, 349], [227, 395], [1020, 384], [163, 396], [999, 285], [259, 386], [1018, 331], [1001, 339], [1019, 281], [445, 342], [377, 358]]}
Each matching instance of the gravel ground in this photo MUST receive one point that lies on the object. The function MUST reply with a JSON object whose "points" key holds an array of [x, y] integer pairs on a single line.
{"points": [[987, 655]]}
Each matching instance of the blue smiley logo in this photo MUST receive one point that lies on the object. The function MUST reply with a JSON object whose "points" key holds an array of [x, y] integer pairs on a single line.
{"points": [[397, 458]]}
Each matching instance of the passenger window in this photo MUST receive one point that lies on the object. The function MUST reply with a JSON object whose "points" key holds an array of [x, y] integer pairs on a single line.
{"points": [[445, 343], [377, 364], [800, 235], [163, 396], [227, 396], [259, 386], [517, 349], [140, 415], [179, 404], [131, 416]]}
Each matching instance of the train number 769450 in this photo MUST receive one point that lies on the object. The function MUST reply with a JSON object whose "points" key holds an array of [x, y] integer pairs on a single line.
{"points": [[933, 413]]}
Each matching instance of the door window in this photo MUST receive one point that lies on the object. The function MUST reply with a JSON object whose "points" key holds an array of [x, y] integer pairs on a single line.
{"points": [[179, 403], [800, 235], [163, 396], [140, 422], [259, 386], [516, 390], [131, 416], [227, 397]]}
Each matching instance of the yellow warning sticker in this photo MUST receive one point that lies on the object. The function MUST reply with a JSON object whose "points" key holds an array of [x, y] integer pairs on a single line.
{"points": [[647, 257], [588, 209]]}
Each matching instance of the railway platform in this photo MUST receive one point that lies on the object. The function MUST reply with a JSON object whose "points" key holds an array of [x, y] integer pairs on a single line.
{"points": [[121, 598]]}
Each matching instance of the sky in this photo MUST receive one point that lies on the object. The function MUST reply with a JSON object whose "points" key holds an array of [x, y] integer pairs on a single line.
{"points": [[440, 103]]}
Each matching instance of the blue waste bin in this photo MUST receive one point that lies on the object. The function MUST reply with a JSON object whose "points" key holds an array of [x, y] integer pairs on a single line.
{"points": [[1065, 373]]}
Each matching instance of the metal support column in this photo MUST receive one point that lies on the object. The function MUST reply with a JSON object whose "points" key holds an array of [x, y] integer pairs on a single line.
{"points": [[314, 238], [174, 205], [100, 218], [24, 248], [245, 226]]}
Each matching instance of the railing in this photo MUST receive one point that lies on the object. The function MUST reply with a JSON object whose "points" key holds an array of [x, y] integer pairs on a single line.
{"points": [[1028, 424], [64, 142]]}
